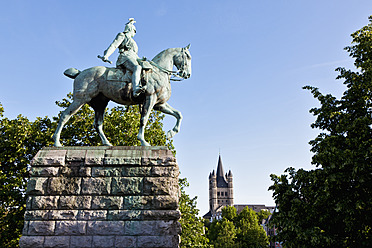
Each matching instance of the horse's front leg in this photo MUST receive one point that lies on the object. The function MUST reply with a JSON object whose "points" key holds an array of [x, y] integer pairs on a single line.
{"points": [[167, 109], [145, 113]]}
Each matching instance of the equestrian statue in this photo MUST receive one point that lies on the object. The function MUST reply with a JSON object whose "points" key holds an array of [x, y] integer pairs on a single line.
{"points": [[134, 81]]}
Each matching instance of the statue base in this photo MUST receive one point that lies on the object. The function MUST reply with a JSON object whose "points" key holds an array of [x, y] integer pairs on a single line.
{"points": [[102, 197]]}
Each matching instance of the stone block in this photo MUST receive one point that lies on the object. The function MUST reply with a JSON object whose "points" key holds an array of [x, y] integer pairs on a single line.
{"points": [[75, 171], [152, 228], [121, 161], [41, 228], [49, 158], [168, 227], [29, 202], [161, 214], [103, 241], [94, 157], [64, 185], [124, 153], [107, 202], [63, 215], [57, 242], [156, 242], [138, 202], [156, 152], [159, 185], [125, 241], [76, 155], [75, 202], [37, 186], [148, 161], [106, 171], [96, 186], [44, 171], [169, 161], [31, 242], [81, 242], [25, 227], [67, 228], [105, 228], [124, 215], [165, 202], [136, 171], [85, 172], [126, 185], [36, 215], [166, 171], [141, 228], [92, 215], [45, 202]]}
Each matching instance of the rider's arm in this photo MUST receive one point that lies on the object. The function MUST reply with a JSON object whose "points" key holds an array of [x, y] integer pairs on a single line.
{"points": [[115, 44]]}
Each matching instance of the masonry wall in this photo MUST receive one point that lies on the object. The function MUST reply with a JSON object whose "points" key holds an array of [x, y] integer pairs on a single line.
{"points": [[102, 197]]}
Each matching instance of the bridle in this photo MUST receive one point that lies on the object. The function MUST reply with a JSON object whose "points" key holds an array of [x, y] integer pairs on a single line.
{"points": [[175, 74]]}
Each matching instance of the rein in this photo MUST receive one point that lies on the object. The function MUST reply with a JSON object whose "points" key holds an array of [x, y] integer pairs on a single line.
{"points": [[172, 73]]}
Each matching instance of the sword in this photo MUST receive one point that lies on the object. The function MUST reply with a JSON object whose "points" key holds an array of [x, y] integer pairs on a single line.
{"points": [[103, 59]]}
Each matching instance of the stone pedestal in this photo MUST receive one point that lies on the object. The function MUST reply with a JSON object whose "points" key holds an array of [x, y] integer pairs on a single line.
{"points": [[102, 197]]}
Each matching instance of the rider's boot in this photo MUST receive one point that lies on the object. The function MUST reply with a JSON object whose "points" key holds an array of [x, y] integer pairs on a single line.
{"points": [[137, 88]]}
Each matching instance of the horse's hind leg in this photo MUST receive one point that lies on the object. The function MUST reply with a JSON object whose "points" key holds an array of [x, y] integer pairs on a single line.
{"points": [[99, 105], [167, 109], [65, 116]]}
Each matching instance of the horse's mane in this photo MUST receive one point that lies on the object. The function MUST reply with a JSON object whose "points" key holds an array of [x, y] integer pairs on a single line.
{"points": [[161, 54]]}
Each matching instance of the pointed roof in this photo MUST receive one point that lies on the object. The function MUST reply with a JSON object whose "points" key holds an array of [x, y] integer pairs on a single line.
{"points": [[221, 180]]}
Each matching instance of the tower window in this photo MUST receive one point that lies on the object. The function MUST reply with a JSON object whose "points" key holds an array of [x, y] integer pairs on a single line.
{"points": [[218, 193], [225, 193]]}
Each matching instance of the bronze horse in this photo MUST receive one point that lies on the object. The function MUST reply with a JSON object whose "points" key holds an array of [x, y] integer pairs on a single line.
{"points": [[98, 85]]}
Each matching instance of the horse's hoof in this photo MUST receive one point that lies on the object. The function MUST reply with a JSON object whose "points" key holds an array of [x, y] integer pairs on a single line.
{"points": [[145, 143], [170, 134], [57, 144]]}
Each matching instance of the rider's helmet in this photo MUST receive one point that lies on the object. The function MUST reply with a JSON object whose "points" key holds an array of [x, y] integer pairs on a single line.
{"points": [[130, 26]]}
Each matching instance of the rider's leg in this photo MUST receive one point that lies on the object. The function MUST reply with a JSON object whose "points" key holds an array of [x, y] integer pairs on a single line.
{"points": [[136, 77], [136, 69]]}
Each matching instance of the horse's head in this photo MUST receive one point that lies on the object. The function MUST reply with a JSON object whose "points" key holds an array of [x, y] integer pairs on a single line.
{"points": [[183, 62]]}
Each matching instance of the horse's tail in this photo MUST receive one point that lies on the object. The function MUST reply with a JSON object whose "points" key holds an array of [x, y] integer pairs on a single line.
{"points": [[71, 73]]}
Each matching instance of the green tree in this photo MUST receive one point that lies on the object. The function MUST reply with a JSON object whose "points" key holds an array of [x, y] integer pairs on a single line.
{"points": [[192, 226], [226, 235], [262, 215], [331, 206], [21, 139], [237, 230], [249, 232], [229, 213]]}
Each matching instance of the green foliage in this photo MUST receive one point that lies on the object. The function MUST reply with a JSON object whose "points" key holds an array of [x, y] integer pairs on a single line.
{"points": [[331, 206], [21, 139], [263, 215], [192, 226], [229, 213], [249, 232], [226, 235], [242, 230]]}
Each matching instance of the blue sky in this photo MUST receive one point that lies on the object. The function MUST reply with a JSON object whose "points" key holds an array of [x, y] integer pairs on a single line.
{"points": [[244, 98]]}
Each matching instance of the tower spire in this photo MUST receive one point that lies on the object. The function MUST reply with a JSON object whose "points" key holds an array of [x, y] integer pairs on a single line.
{"points": [[221, 180]]}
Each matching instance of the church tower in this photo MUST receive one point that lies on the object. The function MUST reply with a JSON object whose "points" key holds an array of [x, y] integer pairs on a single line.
{"points": [[220, 190]]}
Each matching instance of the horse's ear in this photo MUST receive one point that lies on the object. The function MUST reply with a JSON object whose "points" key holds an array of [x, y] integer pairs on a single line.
{"points": [[187, 47]]}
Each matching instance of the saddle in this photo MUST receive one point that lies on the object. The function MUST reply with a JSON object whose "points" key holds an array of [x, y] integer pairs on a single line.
{"points": [[124, 75]]}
